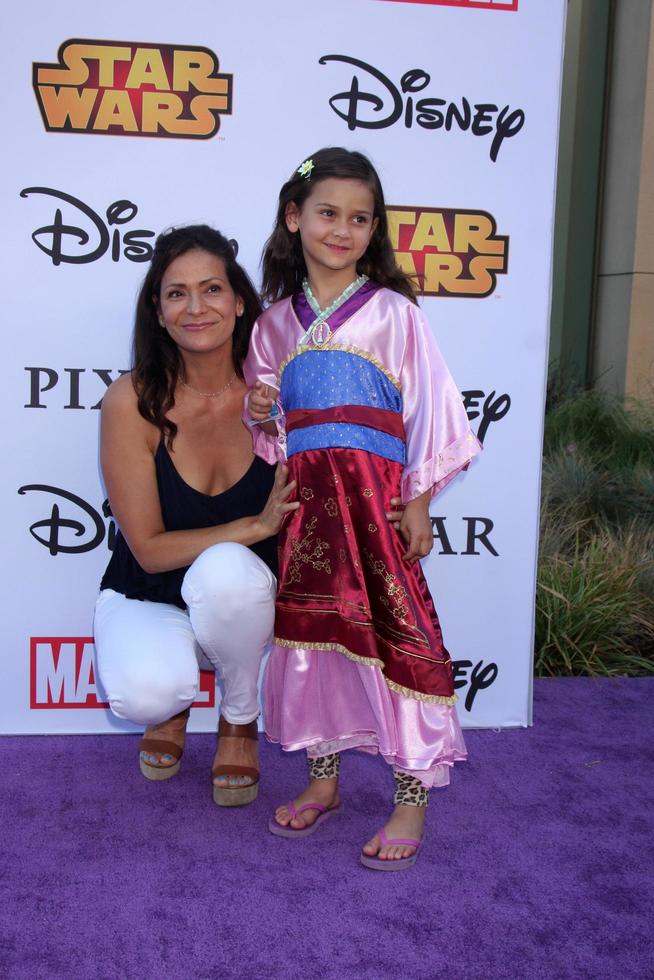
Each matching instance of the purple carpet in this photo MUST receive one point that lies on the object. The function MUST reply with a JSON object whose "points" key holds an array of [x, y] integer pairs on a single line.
{"points": [[538, 861]]}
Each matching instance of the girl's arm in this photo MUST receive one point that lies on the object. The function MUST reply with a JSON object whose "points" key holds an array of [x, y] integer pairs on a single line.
{"points": [[128, 447], [260, 401], [439, 440], [415, 528], [260, 372]]}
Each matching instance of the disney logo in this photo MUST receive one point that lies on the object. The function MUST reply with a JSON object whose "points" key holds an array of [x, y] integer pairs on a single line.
{"points": [[83, 521], [494, 409], [65, 241], [480, 678], [387, 104]]}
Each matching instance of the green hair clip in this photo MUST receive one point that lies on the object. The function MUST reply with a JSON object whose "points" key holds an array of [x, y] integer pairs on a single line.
{"points": [[305, 169]]}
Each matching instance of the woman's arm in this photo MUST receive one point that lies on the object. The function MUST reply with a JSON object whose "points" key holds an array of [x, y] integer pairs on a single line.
{"points": [[128, 447]]}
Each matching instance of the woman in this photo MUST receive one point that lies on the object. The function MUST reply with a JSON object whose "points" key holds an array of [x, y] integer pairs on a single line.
{"points": [[191, 578]]}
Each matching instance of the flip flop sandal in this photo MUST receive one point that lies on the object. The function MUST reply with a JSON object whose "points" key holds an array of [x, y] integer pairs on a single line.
{"points": [[236, 795], [325, 813], [151, 744], [392, 864]]}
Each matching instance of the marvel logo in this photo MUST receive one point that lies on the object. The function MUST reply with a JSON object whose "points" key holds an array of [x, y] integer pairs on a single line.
{"points": [[62, 675], [483, 4]]}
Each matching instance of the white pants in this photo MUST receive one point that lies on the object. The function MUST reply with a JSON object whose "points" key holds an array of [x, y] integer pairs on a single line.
{"points": [[149, 653]]}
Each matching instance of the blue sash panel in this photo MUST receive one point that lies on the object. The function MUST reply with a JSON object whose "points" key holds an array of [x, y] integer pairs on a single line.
{"points": [[324, 378]]}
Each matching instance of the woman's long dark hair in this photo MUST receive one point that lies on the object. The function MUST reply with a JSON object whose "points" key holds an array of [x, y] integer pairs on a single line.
{"points": [[283, 262], [156, 360]]}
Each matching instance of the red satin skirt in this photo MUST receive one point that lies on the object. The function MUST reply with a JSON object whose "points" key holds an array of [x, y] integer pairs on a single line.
{"points": [[343, 584]]}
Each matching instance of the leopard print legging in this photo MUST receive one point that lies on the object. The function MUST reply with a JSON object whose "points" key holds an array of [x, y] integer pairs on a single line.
{"points": [[325, 767], [409, 791]]}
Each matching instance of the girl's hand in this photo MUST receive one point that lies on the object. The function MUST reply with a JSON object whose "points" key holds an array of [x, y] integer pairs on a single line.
{"points": [[260, 401], [278, 505], [394, 516], [415, 528]]}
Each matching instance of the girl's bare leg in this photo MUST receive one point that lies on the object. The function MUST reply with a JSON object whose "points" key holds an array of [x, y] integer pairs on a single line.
{"points": [[406, 821], [322, 788]]}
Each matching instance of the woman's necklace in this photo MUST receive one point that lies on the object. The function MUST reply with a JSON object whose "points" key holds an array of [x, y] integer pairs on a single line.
{"points": [[209, 394], [319, 332]]}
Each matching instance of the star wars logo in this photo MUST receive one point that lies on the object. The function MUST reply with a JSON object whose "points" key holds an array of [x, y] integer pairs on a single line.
{"points": [[450, 252], [122, 88], [62, 675]]}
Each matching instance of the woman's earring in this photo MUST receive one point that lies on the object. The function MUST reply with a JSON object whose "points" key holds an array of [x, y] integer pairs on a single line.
{"points": [[161, 323]]}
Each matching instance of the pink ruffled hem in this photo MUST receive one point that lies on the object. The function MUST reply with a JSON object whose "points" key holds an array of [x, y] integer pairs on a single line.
{"points": [[270, 448], [437, 472], [320, 701]]}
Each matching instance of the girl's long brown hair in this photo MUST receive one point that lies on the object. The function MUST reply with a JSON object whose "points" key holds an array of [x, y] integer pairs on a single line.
{"points": [[156, 361], [283, 262]]}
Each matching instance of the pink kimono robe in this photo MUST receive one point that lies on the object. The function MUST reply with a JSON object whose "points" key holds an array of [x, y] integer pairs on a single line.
{"points": [[358, 659]]}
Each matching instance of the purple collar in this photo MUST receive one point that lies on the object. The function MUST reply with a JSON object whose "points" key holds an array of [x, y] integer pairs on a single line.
{"points": [[306, 316]]}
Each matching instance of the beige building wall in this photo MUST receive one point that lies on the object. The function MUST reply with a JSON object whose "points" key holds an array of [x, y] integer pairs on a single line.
{"points": [[640, 351], [623, 343]]}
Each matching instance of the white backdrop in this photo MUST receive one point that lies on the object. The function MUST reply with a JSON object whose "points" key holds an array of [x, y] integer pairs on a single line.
{"points": [[71, 275]]}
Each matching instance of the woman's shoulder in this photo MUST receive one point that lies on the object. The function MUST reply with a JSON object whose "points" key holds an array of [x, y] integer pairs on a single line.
{"points": [[120, 396], [120, 411]]}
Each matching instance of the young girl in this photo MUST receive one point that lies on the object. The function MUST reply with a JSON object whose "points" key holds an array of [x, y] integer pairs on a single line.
{"points": [[347, 383]]}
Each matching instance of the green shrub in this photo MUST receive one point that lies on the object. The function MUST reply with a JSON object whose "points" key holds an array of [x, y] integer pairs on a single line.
{"points": [[603, 429], [595, 593], [592, 614]]}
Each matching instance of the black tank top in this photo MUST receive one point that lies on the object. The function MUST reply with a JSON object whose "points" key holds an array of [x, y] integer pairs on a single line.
{"points": [[183, 508]]}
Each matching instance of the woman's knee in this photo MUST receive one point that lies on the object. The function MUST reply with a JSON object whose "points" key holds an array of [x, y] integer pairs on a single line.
{"points": [[146, 658], [231, 574], [150, 698]]}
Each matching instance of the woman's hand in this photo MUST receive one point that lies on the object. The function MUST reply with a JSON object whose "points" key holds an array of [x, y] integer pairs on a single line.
{"points": [[261, 400], [278, 505], [415, 528]]}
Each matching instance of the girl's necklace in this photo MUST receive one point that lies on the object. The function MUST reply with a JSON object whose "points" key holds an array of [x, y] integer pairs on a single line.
{"points": [[209, 394], [319, 332]]}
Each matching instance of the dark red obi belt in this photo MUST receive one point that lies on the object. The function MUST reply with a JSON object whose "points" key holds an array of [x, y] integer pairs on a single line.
{"points": [[374, 418]]}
